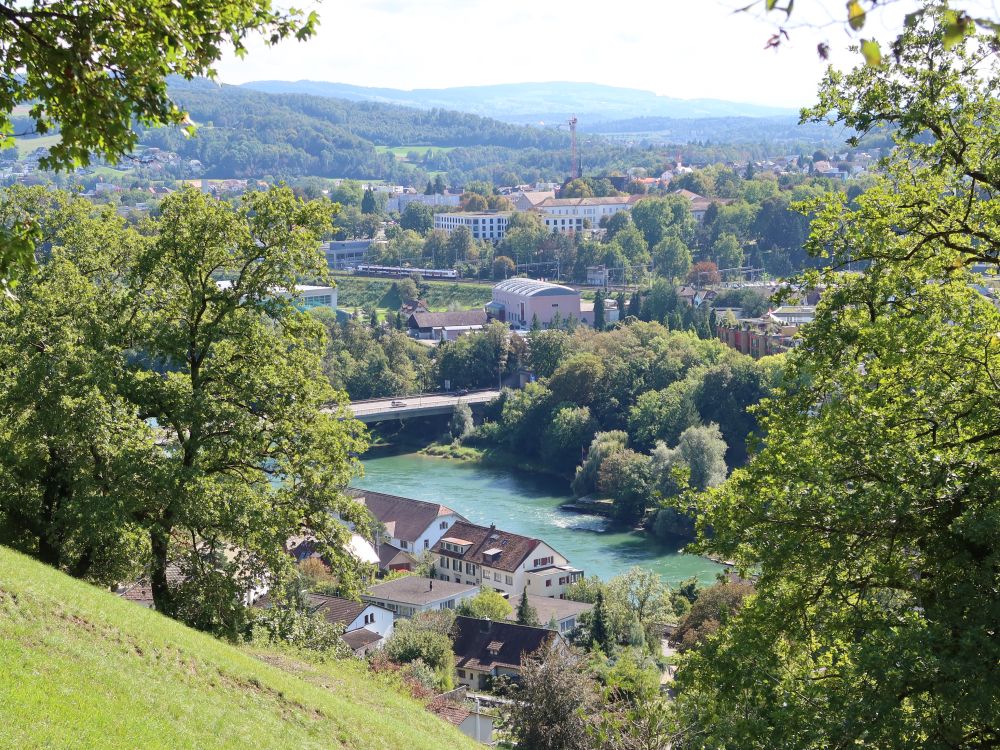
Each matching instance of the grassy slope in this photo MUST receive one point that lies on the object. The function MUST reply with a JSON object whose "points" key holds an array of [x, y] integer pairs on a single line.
{"points": [[81, 668], [357, 291], [26, 146]]}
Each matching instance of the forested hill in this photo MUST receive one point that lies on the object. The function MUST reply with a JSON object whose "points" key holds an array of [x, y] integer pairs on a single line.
{"points": [[246, 133]]}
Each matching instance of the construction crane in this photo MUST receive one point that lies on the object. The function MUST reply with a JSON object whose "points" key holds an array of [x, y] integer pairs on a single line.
{"points": [[574, 170]]}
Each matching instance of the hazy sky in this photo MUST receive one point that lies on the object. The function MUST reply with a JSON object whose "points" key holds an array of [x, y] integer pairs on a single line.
{"points": [[681, 48]]}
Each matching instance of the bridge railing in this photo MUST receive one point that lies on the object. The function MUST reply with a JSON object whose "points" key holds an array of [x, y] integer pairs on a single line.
{"points": [[423, 395]]}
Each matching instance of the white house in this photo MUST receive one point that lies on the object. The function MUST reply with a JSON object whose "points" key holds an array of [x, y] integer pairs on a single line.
{"points": [[499, 560], [407, 596], [410, 525], [305, 296]]}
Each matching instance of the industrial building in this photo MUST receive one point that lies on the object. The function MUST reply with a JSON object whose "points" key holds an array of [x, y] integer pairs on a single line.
{"points": [[518, 301]]}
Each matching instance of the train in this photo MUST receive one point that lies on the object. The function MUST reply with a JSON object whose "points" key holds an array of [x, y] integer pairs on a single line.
{"points": [[402, 272]]}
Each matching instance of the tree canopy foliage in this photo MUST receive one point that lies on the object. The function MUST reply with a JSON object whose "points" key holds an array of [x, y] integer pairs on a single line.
{"points": [[871, 512]]}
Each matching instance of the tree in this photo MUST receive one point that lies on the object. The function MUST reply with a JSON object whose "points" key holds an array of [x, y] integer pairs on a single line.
{"points": [[422, 639], [549, 708], [503, 267], [671, 258], [726, 251], [870, 510], [602, 446], [576, 189], [526, 614], [600, 638], [704, 272], [713, 607], [439, 185], [577, 379], [232, 376], [418, 217], [486, 605], [474, 202], [701, 450], [73, 449], [368, 205], [461, 422], [625, 477], [599, 311], [566, 436]]}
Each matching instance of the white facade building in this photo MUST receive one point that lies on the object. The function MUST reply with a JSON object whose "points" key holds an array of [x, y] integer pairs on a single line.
{"points": [[569, 215], [488, 225]]}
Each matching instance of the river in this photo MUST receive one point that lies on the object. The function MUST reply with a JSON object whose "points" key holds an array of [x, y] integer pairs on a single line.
{"points": [[528, 504]]}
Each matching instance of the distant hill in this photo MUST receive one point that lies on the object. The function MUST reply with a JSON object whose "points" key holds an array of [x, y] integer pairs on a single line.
{"points": [[533, 102], [81, 668]]}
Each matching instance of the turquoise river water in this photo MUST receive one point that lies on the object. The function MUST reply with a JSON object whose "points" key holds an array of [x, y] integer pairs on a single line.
{"points": [[528, 504]]}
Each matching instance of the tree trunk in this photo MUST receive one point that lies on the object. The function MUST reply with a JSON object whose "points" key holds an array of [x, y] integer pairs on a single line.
{"points": [[159, 539]]}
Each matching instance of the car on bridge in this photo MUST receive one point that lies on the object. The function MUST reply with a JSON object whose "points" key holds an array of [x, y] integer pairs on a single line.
{"points": [[398, 403]]}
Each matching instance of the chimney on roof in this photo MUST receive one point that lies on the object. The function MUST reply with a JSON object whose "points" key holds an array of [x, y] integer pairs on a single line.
{"points": [[492, 526]]}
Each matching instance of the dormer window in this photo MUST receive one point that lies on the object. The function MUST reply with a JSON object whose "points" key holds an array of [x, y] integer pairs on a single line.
{"points": [[494, 647]]}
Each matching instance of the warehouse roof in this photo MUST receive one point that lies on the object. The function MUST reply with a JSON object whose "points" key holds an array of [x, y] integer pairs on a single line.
{"points": [[533, 288]]}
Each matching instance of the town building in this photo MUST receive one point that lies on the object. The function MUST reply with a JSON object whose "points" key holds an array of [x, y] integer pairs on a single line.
{"points": [[485, 650], [518, 301], [486, 225], [472, 720], [391, 558], [508, 563], [528, 200], [793, 314], [398, 203], [304, 297], [407, 596], [344, 254], [445, 326], [366, 626], [569, 215], [563, 612], [699, 203], [757, 337], [410, 525]]}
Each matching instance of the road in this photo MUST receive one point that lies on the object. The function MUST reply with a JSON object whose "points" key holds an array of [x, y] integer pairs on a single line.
{"points": [[423, 405]]}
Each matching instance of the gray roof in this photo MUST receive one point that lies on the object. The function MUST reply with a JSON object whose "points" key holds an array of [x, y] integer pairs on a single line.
{"points": [[360, 638], [545, 608], [417, 590], [444, 319], [533, 288]]}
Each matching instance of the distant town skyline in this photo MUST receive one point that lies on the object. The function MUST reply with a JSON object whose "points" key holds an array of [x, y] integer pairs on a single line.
{"points": [[677, 49]]}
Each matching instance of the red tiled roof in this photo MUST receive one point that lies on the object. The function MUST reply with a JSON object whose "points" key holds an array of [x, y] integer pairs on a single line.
{"points": [[334, 609], [409, 518], [450, 712], [513, 548]]}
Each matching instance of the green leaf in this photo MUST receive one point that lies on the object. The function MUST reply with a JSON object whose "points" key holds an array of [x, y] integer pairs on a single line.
{"points": [[871, 52], [855, 15]]}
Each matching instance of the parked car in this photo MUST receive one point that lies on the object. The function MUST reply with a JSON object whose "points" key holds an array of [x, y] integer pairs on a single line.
{"points": [[399, 403]]}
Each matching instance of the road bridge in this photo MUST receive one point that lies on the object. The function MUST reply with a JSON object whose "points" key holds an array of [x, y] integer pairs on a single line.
{"points": [[422, 405]]}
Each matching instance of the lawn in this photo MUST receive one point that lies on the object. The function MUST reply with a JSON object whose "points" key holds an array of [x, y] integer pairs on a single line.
{"points": [[356, 292], [25, 146], [82, 668], [400, 152]]}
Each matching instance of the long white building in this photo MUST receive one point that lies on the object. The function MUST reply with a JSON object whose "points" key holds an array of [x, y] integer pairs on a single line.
{"points": [[567, 215], [488, 225]]}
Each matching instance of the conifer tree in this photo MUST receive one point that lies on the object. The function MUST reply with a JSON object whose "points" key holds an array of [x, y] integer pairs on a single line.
{"points": [[526, 614]]}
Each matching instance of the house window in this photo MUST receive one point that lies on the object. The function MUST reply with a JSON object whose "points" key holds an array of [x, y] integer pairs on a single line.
{"points": [[509, 580], [548, 582], [444, 562], [443, 525], [496, 577], [402, 544], [461, 674], [426, 543]]}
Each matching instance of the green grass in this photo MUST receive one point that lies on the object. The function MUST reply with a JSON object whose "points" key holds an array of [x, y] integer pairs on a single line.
{"points": [[400, 152], [453, 450], [25, 146], [357, 292], [81, 668]]}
